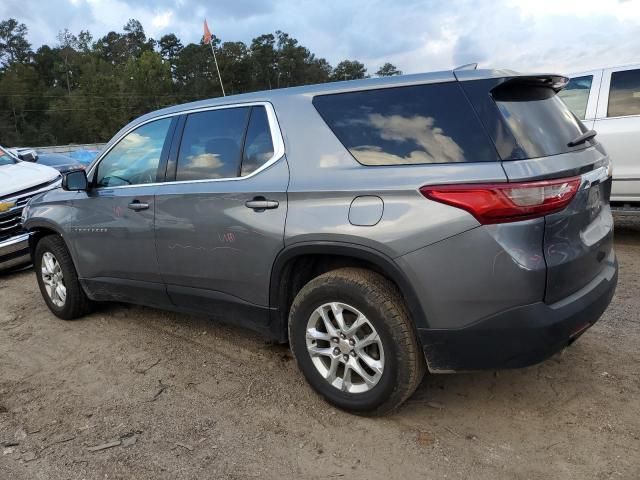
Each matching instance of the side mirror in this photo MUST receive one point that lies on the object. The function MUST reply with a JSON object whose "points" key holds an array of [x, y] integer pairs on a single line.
{"points": [[75, 181], [28, 156]]}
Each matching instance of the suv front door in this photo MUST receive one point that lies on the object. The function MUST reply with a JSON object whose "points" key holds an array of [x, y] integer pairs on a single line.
{"points": [[221, 214], [113, 228]]}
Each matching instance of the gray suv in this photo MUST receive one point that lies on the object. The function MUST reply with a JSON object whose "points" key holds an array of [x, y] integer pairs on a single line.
{"points": [[447, 221]]}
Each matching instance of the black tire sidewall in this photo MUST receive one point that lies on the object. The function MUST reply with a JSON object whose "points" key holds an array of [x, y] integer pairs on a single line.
{"points": [[338, 290], [49, 244]]}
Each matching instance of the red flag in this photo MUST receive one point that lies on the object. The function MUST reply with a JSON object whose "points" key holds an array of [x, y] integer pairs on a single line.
{"points": [[207, 34]]}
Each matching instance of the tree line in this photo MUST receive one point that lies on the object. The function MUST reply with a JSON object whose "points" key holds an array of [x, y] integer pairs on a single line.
{"points": [[82, 90]]}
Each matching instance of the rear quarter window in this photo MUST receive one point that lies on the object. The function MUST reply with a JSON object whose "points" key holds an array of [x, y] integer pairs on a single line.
{"points": [[422, 124]]}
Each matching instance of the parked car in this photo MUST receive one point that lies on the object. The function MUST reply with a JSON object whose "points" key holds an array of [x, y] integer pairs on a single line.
{"points": [[23, 153], [62, 163], [452, 221], [19, 181], [608, 101]]}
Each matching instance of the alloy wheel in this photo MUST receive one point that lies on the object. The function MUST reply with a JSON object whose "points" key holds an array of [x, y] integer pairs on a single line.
{"points": [[345, 348], [53, 279]]}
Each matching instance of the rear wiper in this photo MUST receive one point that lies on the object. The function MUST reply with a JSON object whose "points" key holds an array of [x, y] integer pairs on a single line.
{"points": [[588, 135]]}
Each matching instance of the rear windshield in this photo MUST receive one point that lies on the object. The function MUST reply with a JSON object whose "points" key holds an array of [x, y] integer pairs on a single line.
{"points": [[523, 119], [419, 124]]}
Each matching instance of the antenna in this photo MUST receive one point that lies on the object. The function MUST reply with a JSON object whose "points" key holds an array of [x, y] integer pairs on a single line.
{"points": [[467, 66]]}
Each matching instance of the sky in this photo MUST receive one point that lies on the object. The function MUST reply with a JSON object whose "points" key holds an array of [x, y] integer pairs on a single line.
{"points": [[564, 36]]}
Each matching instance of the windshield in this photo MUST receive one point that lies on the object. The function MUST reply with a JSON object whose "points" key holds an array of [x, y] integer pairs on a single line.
{"points": [[6, 158]]}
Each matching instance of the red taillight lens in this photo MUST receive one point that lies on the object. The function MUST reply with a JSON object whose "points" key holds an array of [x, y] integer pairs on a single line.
{"points": [[506, 202]]}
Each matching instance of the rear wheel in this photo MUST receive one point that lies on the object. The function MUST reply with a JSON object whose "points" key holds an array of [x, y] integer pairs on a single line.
{"points": [[58, 279], [353, 339]]}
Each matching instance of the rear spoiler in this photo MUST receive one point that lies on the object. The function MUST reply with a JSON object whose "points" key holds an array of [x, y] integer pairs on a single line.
{"points": [[509, 77]]}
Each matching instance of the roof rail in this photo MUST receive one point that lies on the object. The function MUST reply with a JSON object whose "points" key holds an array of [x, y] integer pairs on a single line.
{"points": [[467, 66]]}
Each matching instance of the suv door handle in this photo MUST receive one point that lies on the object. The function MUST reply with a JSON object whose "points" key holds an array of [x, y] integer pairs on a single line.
{"points": [[137, 206], [260, 204]]}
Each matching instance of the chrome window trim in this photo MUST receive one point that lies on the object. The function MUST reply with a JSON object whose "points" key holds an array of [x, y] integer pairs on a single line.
{"points": [[274, 127], [635, 115]]}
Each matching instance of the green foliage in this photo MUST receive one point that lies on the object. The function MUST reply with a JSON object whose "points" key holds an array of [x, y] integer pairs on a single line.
{"points": [[14, 46], [388, 70], [349, 70], [82, 91]]}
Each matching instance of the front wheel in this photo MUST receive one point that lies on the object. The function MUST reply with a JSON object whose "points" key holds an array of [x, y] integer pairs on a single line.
{"points": [[353, 339], [58, 279]]}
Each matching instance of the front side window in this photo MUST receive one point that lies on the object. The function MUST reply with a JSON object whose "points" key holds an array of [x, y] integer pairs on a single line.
{"points": [[624, 94], [407, 125], [576, 95], [258, 146], [211, 144], [135, 158]]}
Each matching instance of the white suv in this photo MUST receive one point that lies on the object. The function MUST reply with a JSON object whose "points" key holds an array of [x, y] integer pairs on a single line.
{"points": [[19, 181], [608, 100]]}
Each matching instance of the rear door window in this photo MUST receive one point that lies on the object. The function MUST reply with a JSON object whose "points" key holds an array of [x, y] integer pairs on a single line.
{"points": [[258, 146], [211, 144], [419, 124], [624, 93], [576, 95]]}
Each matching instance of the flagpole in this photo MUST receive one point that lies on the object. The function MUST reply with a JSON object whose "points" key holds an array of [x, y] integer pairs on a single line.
{"points": [[217, 69]]}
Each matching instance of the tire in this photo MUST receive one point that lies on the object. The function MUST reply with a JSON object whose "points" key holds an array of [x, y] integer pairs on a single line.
{"points": [[396, 353], [76, 303]]}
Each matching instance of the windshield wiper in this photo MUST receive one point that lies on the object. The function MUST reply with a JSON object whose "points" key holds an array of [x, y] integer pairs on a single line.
{"points": [[588, 135]]}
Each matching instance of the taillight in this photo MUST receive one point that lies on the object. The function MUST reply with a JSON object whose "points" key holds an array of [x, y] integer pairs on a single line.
{"points": [[506, 202]]}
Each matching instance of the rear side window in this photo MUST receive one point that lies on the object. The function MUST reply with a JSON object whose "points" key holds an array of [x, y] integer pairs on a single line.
{"points": [[419, 124], [576, 95], [258, 146], [211, 144], [624, 94]]}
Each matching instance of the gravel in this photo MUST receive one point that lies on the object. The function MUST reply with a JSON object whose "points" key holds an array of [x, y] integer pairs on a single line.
{"points": [[171, 396]]}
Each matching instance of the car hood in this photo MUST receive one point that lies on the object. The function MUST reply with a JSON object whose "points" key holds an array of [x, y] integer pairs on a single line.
{"points": [[23, 175]]}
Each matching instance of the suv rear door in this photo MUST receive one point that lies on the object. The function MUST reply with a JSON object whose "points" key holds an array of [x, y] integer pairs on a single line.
{"points": [[618, 125], [220, 216], [534, 132]]}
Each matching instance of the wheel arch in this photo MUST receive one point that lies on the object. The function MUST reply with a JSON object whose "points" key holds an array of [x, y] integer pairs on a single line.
{"points": [[286, 280], [40, 229]]}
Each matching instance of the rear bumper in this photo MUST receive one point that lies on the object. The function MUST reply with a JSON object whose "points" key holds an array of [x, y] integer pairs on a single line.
{"points": [[14, 251], [523, 335]]}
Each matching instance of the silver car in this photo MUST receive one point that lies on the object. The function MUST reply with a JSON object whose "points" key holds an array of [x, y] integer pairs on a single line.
{"points": [[447, 221]]}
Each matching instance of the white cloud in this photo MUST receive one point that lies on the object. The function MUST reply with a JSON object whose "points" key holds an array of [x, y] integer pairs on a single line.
{"points": [[415, 35], [162, 20]]}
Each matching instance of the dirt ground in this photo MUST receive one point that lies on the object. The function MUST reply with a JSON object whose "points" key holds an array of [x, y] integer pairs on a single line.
{"points": [[174, 396]]}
